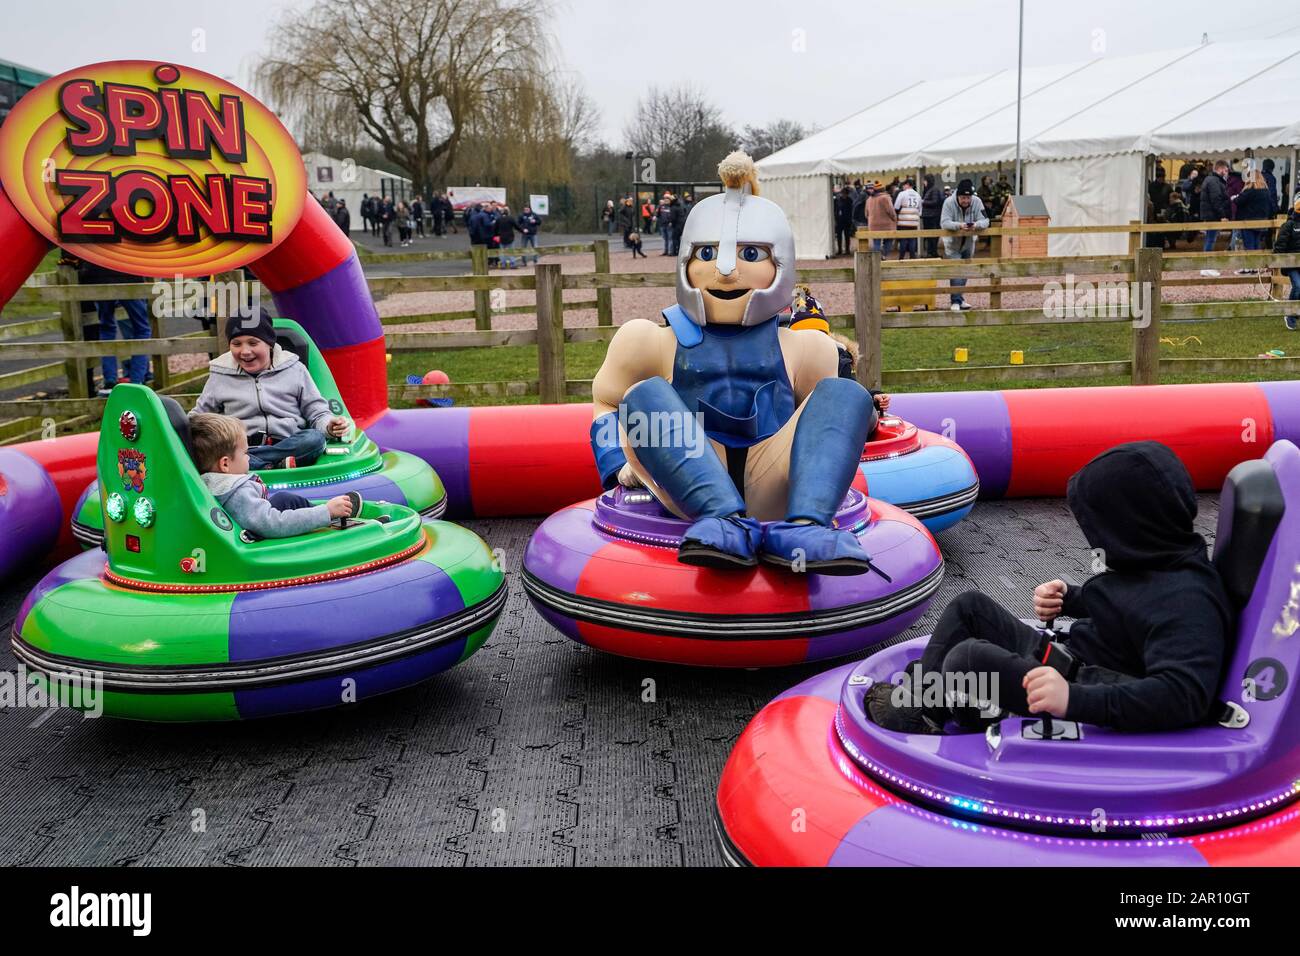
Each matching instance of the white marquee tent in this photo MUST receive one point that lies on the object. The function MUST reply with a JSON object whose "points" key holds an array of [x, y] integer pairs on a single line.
{"points": [[1087, 130]]}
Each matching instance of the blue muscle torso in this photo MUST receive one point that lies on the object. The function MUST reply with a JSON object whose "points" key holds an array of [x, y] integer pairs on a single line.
{"points": [[735, 376]]}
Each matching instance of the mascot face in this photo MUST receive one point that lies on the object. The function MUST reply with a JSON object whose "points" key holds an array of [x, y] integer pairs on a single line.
{"points": [[736, 265], [726, 297]]}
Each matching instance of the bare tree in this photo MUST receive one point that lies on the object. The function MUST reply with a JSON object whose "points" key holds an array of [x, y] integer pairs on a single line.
{"points": [[760, 141], [681, 130], [412, 75]]}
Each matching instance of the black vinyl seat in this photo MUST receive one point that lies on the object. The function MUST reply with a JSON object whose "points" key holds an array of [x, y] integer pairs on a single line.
{"points": [[180, 423], [292, 341], [1250, 509]]}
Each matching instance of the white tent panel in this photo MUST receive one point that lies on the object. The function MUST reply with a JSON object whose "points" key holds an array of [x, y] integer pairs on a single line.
{"points": [[1084, 192], [1044, 106], [807, 204], [1151, 102], [821, 153], [1127, 118]]}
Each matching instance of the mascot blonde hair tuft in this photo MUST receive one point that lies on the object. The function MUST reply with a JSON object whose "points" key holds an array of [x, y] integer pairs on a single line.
{"points": [[737, 169]]}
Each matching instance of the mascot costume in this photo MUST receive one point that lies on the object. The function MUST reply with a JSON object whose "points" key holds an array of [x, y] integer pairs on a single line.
{"points": [[732, 421]]}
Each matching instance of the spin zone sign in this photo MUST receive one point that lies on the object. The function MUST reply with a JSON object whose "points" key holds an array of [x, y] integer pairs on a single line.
{"points": [[152, 169]]}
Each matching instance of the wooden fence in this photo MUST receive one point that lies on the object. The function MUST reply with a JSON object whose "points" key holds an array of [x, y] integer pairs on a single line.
{"points": [[869, 275]]}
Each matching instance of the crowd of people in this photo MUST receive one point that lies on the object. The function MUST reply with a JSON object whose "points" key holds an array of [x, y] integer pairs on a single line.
{"points": [[384, 215], [491, 224], [665, 215], [900, 205], [1214, 193]]}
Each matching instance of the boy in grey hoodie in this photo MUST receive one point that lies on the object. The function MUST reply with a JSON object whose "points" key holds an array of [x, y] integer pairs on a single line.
{"points": [[271, 393], [221, 454]]}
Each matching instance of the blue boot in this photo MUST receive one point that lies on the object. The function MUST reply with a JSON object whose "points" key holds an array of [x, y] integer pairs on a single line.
{"points": [[824, 456], [677, 455]]}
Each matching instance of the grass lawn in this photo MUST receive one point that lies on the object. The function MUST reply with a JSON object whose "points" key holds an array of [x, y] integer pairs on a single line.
{"points": [[37, 310], [927, 348]]}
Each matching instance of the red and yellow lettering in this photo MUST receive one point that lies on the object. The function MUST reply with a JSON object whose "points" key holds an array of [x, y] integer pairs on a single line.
{"points": [[78, 100], [251, 207], [129, 188], [213, 209], [174, 128], [204, 128], [91, 192], [134, 112]]}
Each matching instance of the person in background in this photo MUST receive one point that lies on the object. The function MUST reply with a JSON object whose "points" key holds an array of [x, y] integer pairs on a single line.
{"points": [[387, 214], [417, 213], [1158, 191], [529, 223], [435, 209], [907, 204], [860, 197], [1254, 202], [985, 194], [1187, 174], [627, 219], [647, 216], [1176, 212], [403, 218], [607, 217], [678, 220], [881, 217], [135, 326], [963, 213], [1236, 183], [1288, 242], [1215, 206], [931, 206], [664, 216], [364, 209], [634, 243], [505, 236], [843, 212], [343, 217], [449, 215], [1271, 181]]}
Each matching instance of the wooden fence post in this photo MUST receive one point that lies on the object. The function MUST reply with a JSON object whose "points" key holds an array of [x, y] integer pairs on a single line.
{"points": [[605, 296], [1134, 236], [995, 282], [162, 377], [77, 370], [866, 316], [551, 372], [482, 297], [1147, 267]]}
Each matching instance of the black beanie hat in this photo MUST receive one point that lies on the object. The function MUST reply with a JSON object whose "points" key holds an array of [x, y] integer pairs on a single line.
{"points": [[260, 327], [965, 188]]}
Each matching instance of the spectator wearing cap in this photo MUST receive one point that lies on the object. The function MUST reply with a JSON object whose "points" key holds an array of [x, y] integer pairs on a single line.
{"points": [[963, 214]]}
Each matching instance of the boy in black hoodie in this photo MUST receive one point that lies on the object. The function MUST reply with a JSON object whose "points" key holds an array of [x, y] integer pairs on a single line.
{"points": [[1150, 634]]}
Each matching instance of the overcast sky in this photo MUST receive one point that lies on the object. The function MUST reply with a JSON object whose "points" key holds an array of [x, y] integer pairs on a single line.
{"points": [[815, 61]]}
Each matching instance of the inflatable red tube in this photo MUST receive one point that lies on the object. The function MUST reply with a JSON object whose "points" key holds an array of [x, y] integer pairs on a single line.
{"points": [[24, 248]]}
